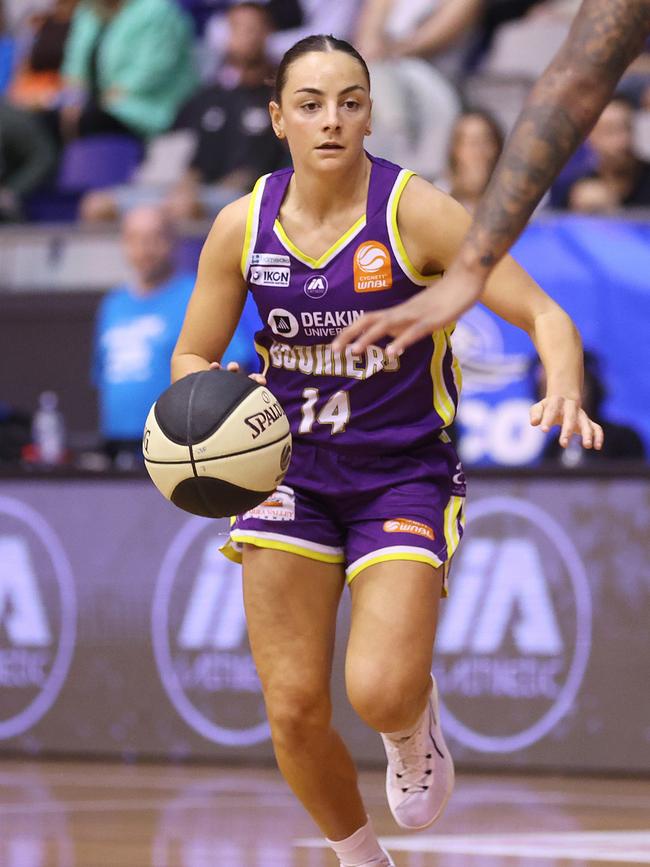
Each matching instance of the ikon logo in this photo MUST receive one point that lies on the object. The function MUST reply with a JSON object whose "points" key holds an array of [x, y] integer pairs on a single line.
{"points": [[513, 642], [37, 617], [270, 276], [372, 267], [200, 641]]}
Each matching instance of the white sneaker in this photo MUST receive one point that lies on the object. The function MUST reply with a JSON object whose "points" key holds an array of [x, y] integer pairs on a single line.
{"points": [[420, 773]]}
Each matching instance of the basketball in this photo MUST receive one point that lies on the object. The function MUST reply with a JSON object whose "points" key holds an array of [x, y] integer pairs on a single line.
{"points": [[216, 443]]}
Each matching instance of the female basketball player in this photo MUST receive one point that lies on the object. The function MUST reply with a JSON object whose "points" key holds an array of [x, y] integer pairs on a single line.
{"points": [[375, 491]]}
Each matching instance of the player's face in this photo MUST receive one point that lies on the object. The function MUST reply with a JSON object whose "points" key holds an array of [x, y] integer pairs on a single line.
{"points": [[324, 111]]}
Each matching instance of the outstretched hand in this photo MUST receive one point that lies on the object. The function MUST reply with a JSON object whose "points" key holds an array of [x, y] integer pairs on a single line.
{"points": [[557, 410], [234, 368], [430, 310]]}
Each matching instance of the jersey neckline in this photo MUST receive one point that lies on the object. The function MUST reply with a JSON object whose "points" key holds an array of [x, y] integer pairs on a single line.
{"points": [[337, 246]]}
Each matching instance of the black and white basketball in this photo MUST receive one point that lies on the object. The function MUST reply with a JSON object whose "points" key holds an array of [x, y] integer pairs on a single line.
{"points": [[216, 443]]}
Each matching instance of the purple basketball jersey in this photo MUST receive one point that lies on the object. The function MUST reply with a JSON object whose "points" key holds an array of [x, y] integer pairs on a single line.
{"points": [[357, 403]]}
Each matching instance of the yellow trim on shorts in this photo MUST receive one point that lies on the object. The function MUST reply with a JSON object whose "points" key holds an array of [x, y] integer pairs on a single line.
{"points": [[442, 400], [429, 558], [454, 512], [289, 547], [250, 220], [328, 254]]}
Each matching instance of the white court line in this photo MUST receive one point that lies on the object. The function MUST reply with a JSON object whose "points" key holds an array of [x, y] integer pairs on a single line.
{"points": [[616, 847]]}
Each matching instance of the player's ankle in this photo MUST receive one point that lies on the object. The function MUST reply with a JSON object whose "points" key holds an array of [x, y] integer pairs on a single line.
{"points": [[360, 848]]}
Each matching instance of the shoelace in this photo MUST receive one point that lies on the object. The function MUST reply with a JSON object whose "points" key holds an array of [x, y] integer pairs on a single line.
{"points": [[406, 758]]}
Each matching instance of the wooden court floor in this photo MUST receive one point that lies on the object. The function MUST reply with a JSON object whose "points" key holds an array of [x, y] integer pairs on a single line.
{"points": [[84, 814]]}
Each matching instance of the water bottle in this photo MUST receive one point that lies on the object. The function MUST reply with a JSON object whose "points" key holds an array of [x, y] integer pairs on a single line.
{"points": [[48, 430]]}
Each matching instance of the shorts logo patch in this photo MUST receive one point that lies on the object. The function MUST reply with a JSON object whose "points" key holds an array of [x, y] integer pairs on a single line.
{"points": [[280, 506], [405, 525], [373, 271]]}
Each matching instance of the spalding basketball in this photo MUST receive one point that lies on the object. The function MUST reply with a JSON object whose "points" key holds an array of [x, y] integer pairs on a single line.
{"points": [[216, 443]]}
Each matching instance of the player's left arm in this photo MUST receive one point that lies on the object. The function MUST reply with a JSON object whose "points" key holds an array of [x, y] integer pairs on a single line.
{"points": [[514, 296]]}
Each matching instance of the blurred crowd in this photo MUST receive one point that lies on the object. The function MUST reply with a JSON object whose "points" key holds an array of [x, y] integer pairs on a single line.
{"points": [[109, 104]]}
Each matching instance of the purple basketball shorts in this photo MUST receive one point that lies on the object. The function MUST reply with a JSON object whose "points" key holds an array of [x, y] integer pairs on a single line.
{"points": [[359, 510]]}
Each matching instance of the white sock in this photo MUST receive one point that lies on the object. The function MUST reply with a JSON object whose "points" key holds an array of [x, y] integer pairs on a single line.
{"points": [[359, 848]]}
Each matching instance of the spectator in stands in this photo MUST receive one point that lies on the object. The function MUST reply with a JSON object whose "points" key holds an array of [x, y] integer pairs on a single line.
{"points": [[436, 30], [7, 51], [137, 327], [622, 442], [128, 66], [136, 330], [338, 17], [235, 143], [285, 13], [38, 83], [476, 143], [292, 20], [27, 157], [619, 178]]}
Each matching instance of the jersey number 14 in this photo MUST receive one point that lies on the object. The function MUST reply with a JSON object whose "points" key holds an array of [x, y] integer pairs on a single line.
{"points": [[335, 412]]}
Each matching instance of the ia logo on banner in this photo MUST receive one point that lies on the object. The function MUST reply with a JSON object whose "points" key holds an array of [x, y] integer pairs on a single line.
{"points": [[37, 617], [200, 640], [515, 635]]}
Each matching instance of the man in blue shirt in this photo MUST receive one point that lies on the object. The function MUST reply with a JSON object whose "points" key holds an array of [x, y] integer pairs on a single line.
{"points": [[136, 330]]}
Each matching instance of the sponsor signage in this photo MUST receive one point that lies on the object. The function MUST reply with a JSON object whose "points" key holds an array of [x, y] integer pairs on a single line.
{"points": [[541, 652], [514, 638], [198, 629], [37, 617]]}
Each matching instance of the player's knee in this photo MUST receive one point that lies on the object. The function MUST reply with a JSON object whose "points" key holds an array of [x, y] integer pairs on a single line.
{"points": [[297, 714], [382, 701]]}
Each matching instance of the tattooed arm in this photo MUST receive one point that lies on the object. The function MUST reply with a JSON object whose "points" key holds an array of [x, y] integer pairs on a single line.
{"points": [[563, 106], [561, 109]]}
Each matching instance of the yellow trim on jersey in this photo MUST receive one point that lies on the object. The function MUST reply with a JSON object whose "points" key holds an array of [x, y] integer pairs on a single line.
{"points": [[329, 254], [264, 353], [398, 244], [424, 557], [453, 514], [251, 219], [442, 400], [275, 545]]}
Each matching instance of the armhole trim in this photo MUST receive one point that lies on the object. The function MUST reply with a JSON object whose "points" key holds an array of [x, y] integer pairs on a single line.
{"points": [[252, 225], [396, 241]]}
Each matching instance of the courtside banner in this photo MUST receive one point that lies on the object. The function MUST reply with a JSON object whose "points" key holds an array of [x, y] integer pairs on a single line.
{"points": [[122, 628]]}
